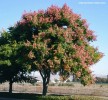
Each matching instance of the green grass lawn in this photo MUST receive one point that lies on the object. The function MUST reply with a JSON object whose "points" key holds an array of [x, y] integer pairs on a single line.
{"points": [[29, 96]]}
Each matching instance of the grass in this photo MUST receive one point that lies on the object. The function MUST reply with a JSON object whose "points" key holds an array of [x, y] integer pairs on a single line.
{"points": [[30, 96], [59, 91]]}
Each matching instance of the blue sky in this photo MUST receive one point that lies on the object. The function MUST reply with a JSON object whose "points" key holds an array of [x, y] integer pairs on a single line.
{"points": [[95, 11]]}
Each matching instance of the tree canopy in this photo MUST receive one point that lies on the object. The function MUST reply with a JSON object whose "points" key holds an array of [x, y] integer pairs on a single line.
{"points": [[57, 40], [11, 68]]}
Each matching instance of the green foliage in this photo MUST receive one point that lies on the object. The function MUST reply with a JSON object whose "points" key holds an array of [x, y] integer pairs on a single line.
{"points": [[52, 41], [11, 67], [4, 38]]}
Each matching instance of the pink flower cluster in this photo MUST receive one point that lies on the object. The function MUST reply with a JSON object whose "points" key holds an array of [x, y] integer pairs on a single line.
{"points": [[72, 44]]}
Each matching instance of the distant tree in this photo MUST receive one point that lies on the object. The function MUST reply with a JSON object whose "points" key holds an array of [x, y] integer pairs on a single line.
{"points": [[107, 78], [68, 80], [74, 78], [56, 80], [101, 80], [57, 40]]}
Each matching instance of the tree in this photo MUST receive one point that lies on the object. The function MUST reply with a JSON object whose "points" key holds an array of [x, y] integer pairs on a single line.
{"points": [[56, 80], [68, 80], [101, 80], [57, 40], [10, 68]]}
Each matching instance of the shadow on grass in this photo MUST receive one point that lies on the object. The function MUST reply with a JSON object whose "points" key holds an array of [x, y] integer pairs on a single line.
{"points": [[28, 96], [31, 96]]}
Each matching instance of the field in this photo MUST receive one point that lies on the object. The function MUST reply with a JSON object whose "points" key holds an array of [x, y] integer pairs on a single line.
{"points": [[98, 90]]}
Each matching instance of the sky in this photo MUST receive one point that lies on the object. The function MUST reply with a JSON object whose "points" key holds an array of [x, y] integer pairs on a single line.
{"points": [[94, 11]]}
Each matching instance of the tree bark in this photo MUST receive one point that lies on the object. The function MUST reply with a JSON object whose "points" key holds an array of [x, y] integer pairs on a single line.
{"points": [[45, 87], [10, 87], [74, 78], [46, 78]]}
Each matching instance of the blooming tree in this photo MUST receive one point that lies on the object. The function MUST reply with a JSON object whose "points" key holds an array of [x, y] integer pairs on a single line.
{"points": [[57, 41]]}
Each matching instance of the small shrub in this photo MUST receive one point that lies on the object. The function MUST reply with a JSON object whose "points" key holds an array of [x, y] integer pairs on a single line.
{"points": [[66, 84], [52, 84]]}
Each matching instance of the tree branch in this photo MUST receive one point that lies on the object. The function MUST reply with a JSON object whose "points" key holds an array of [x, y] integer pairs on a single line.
{"points": [[41, 74]]}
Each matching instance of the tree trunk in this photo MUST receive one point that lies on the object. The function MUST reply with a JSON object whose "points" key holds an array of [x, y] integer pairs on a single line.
{"points": [[46, 77], [74, 78], [10, 87], [45, 87]]}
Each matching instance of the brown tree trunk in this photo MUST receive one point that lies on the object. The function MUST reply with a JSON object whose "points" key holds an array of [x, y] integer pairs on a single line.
{"points": [[45, 87], [46, 77], [10, 86]]}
